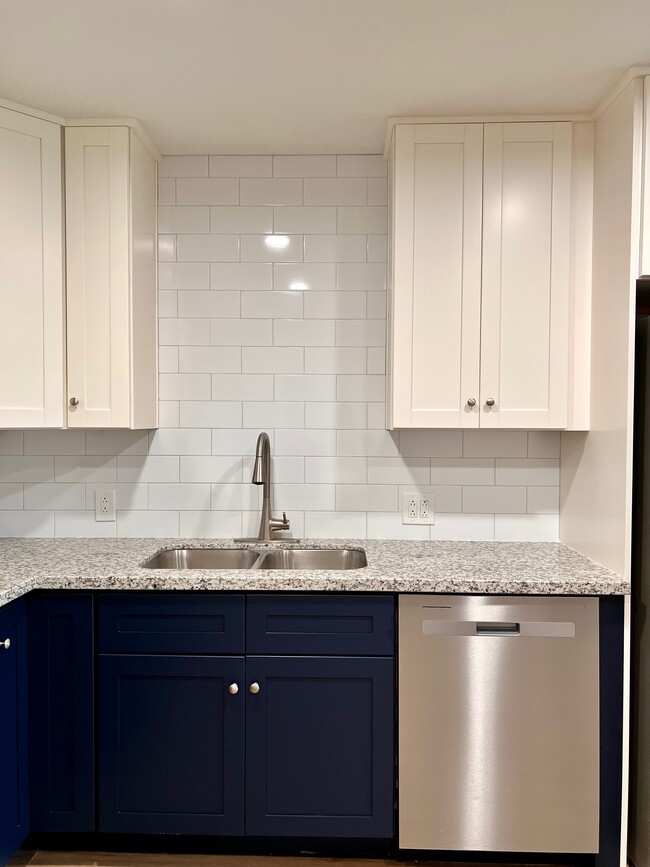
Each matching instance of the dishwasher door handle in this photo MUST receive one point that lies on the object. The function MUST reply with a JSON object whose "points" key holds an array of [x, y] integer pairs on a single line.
{"points": [[494, 628]]}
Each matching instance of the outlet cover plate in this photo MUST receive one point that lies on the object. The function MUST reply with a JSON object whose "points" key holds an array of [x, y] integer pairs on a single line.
{"points": [[104, 505], [417, 508]]}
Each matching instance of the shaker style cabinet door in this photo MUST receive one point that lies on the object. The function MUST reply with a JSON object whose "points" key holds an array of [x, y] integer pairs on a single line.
{"points": [[111, 279], [171, 744], [319, 746], [435, 276], [31, 272], [525, 298]]}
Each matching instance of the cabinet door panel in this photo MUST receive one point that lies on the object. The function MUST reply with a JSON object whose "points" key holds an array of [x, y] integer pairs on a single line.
{"points": [[525, 299], [14, 823], [61, 713], [97, 258], [436, 275], [171, 742], [319, 741], [31, 272]]}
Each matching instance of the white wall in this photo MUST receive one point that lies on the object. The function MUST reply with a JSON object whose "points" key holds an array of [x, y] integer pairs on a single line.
{"points": [[290, 341]]}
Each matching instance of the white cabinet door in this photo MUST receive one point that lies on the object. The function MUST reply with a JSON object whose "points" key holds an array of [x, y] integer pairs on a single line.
{"points": [[31, 272], [525, 297], [435, 280], [98, 275]]}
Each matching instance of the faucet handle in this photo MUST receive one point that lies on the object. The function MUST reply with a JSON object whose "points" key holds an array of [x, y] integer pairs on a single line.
{"points": [[277, 524]]}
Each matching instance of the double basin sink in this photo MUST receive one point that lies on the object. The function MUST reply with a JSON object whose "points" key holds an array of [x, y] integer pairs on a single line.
{"points": [[255, 558]]}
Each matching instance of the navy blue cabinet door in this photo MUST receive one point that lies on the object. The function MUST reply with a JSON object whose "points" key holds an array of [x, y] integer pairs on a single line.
{"points": [[13, 729], [171, 744], [61, 713], [319, 746]]}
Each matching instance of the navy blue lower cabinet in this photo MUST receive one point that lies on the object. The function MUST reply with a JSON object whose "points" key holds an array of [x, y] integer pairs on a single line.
{"points": [[319, 746], [61, 690], [14, 822], [171, 744]]}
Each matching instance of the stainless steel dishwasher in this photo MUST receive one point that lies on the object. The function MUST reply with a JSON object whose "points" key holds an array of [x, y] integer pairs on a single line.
{"points": [[498, 723]]}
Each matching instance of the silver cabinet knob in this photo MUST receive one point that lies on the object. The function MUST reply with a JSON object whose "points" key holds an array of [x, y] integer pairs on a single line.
{"points": [[74, 401], [471, 401], [489, 401], [233, 689], [6, 643], [254, 688]]}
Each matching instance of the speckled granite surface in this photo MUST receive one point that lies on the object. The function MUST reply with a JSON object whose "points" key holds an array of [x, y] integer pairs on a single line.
{"points": [[393, 566]]}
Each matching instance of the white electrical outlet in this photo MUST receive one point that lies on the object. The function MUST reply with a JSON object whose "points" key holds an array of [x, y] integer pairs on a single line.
{"points": [[104, 505], [417, 508]]}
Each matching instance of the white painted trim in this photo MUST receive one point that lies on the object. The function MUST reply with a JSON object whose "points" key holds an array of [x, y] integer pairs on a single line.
{"points": [[630, 74], [132, 122], [33, 112]]}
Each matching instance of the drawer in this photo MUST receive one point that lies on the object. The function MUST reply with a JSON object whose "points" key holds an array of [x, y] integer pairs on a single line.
{"points": [[360, 625], [171, 623]]}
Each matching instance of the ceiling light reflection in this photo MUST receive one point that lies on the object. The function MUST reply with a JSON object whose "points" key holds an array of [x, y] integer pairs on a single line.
{"points": [[277, 242]]}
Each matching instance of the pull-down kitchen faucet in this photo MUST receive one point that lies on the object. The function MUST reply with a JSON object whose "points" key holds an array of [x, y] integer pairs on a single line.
{"points": [[262, 476]]}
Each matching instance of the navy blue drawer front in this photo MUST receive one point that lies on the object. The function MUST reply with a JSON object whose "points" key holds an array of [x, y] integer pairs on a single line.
{"points": [[171, 623], [323, 625]]}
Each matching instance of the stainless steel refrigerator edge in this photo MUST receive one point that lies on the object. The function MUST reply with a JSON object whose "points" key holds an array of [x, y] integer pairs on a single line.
{"points": [[498, 723]]}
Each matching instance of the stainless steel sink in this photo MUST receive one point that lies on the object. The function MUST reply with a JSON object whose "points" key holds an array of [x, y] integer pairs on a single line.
{"points": [[313, 558], [203, 558], [251, 558]]}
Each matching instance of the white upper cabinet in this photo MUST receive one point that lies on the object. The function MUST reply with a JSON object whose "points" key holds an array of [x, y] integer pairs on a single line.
{"points": [[525, 297], [111, 279], [479, 275], [31, 272]]}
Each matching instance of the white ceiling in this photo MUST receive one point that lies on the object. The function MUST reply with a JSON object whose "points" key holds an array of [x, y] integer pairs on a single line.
{"points": [[311, 76]]}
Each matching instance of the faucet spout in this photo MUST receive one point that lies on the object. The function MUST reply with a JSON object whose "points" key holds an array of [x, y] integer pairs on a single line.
{"points": [[262, 476]]}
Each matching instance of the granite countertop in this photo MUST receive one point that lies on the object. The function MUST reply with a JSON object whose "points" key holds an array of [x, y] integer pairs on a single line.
{"points": [[393, 566]]}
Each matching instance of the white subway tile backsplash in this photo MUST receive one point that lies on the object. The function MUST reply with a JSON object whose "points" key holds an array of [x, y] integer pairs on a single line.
{"points": [[299, 332], [208, 248], [526, 528], [259, 414], [272, 248], [314, 387], [335, 415], [335, 248], [254, 338], [335, 191], [183, 167], [241, 332], [186, 220], [54, 442], [209, 359], [361, 332], [209, 305], [180, 441], [244, 386], [367, 498], [303, 276], [270, 191], [362, 220], [335, 359], [361, 166], [210, 525], [274, 359], [206, 191], [335, 305], [241, 220], [272, 305], [210, 413], [304, 166], [361, 277], [241, 276], [179, 276], [234, 166]]}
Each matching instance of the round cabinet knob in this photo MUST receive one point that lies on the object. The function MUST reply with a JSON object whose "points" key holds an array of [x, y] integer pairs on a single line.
{"points": [[233, 689], [6, 643], [74, 401], [254, 688], [489, 401], [471, 401]]}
